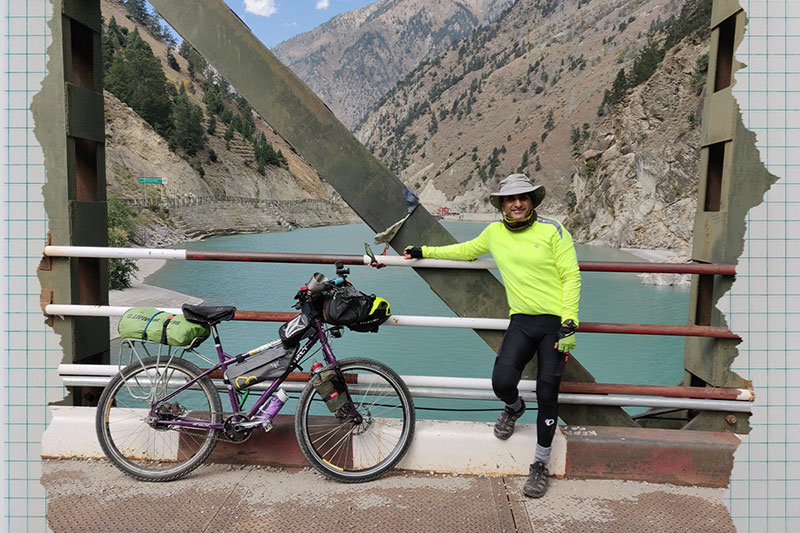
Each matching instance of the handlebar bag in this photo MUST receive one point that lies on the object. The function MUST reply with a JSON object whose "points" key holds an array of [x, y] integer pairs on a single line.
{"points": [[379, 313], [269, 364], [347, 306], [150, 324]]}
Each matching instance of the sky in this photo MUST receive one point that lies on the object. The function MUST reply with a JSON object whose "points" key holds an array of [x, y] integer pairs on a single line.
{"points": [[274, 21]]}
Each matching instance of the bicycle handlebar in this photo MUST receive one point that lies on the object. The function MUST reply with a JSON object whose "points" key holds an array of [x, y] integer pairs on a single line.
{"points": [[319, 285]]}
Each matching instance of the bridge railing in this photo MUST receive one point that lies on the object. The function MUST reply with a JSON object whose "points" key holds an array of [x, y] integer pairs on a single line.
{"points": [[609, 394], [667, 397], [384, 260]]}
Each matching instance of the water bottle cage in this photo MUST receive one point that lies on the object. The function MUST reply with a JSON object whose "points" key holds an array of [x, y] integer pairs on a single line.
{"points": [[331, 388]]}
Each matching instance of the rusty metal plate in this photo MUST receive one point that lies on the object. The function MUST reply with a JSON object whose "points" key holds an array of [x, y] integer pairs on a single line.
{"points": [[93, 496], [578, 506], [653, 455]]}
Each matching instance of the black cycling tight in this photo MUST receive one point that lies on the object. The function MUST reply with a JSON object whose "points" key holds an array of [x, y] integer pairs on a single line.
{"points": [[526, 335]]}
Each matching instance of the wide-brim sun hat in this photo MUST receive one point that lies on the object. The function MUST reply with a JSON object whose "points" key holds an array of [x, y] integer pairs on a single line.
{"points": [[517, 184]]}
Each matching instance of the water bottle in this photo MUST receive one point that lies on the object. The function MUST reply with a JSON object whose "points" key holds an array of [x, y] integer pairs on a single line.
{"points": [[274, 405]]}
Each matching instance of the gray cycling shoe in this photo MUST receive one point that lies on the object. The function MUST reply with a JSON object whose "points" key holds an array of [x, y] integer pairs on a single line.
{"points": [[536, 485], [504, 427]]}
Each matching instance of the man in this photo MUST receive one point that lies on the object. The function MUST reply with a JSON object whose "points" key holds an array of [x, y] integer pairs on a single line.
{"points": [[537, 260]]}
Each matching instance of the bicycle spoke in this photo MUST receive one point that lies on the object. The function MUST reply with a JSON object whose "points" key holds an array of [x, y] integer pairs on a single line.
{"points": [[348, 451], [140, 437]]}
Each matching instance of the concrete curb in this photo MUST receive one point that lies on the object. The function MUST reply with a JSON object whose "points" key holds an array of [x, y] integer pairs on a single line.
{"points": [[653, 455], [438, 446]]}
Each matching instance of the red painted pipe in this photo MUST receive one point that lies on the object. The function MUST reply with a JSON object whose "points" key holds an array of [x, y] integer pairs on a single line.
{"points": [[348, 259], [718, 332], [574, 387], [712, 393], [661, 268], [299, 377], [273, 257], [263, 316]]}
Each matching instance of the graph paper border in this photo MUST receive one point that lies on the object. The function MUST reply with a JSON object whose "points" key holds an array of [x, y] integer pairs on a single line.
{"points": [[31, 350], [4, 323], [762, 306], [765, 483]]}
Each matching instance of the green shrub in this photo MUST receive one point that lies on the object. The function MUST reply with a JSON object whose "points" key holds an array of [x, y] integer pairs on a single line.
{"points": [[121, 228]]}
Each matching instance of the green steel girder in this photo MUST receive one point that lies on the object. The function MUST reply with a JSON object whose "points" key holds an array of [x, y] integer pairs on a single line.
{"points": [[373, 192], [69, 125], [732, 181]]}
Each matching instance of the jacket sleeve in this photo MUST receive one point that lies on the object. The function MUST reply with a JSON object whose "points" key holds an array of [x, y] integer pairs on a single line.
{"points": [[567, 265], [463, 251]]}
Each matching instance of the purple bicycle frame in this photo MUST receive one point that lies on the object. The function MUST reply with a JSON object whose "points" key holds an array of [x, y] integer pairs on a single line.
{"points": [[226, 359]]}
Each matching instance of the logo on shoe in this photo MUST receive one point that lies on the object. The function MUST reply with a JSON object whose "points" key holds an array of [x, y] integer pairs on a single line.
{"points": [[549, 422]]}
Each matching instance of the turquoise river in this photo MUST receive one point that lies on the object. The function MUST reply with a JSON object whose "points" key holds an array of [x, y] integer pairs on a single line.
{"points": [[605, 297]]}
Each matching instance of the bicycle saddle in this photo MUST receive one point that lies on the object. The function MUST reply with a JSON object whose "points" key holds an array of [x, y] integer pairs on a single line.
{"points": [[208, 315]]}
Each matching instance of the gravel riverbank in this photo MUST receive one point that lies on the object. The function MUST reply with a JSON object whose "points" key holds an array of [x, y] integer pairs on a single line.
{"points": [[144, 295], [661, 256]]}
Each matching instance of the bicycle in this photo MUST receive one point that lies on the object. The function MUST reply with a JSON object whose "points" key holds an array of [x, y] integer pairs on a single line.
{"points": [[160, 417]]}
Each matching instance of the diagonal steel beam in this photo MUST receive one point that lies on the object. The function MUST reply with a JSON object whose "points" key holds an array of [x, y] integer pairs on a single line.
{"points": [[305, 122]]}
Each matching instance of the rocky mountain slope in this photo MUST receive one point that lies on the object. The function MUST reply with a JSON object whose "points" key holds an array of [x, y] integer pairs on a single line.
{"points": [[528, 93], [229, 194], [355, 58], [642, 192], [231, 197]]}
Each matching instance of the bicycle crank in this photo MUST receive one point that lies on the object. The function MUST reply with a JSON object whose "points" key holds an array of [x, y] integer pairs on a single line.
{"points": [[234, 430]]}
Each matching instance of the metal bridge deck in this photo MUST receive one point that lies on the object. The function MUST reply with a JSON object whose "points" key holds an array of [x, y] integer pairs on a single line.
{"points": [[92, 496]]}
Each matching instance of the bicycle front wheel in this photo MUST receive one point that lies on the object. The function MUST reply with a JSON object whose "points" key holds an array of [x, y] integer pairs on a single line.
{"points": [[353, 450], [169, 440]]}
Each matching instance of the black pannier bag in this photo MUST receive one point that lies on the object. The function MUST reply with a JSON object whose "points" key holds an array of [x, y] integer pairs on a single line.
{"points": [[269, 364], [295, 330], [347, 306]]}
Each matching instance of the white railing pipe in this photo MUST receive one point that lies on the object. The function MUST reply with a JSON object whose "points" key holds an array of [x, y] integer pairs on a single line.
{"points": [[446, 388], [113, 253], [394, 320]]}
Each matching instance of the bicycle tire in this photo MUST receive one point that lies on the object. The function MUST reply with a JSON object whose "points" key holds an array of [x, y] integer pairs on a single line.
{"points": [[349, 452], [138, 447]]}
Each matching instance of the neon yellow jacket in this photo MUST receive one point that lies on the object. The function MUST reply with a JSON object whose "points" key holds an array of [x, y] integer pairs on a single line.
{"points": [[538, 265]]}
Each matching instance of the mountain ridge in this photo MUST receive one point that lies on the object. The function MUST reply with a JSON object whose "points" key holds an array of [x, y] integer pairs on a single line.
{"points": [[351, 60]]}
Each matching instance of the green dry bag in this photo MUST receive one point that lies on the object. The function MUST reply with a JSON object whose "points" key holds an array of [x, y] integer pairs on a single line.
{"points": [[150, 324]]}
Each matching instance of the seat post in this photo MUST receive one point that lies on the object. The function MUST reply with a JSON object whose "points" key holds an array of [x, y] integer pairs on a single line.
{"points": [[217, 342]]}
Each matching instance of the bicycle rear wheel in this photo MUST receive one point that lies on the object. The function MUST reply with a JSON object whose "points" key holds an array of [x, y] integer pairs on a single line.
{"points": [[350, 451], [146, 443]]}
